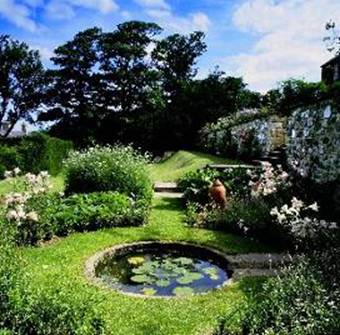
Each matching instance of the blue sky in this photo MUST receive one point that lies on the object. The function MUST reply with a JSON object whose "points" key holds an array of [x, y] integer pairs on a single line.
{"points": [[265, 41]]}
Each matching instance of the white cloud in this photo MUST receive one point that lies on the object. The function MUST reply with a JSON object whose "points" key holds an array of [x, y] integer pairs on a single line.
{"points": [[17, 14], [289, 40], [163, 14], [104, 6], [59, 10], [201, 21], [160, 4]]}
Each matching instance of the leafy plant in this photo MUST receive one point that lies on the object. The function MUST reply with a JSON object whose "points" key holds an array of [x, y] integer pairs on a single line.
{"points": [[117, 168]]}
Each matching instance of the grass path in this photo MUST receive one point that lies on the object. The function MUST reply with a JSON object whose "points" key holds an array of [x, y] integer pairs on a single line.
{"points": [[64, 261]]}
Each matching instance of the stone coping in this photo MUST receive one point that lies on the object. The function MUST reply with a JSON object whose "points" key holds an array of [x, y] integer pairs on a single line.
{"points": [[240, 265]]}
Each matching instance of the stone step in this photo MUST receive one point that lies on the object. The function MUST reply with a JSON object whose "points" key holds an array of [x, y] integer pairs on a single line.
{"points": [[171, 195], [168, 187], [241, 273], [259, 260], [222, 167]]}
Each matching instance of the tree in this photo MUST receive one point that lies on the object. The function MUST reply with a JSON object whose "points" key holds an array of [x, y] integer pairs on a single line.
{"points": [[176, 55], [21, 82], [73, 95], [127, 73], [175, 58]]}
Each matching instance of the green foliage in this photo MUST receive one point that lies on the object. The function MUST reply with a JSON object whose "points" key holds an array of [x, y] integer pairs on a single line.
{"points": [[40, 152], [54, 309], [84, 212], [117, 168], [9, 158], [11, 268], [196, 185], [21, 82], [298, 302], [35, 153]]}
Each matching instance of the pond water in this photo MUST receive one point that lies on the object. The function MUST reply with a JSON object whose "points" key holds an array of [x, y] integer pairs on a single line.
{"points": [[165, 271]]}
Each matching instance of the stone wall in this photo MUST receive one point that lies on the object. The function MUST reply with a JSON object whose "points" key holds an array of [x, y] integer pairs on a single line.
{"points": [[270, 133], [313, 146]]}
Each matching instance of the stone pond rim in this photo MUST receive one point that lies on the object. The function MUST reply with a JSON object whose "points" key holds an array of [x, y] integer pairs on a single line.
{"points": [[122, 249]]}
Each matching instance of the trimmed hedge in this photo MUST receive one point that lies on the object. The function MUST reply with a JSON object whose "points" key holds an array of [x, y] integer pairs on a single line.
{"points": [[85, 212], [35, 153]]}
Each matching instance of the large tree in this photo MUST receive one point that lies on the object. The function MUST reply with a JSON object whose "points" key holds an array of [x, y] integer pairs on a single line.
{"points": [[126, 69], [73, 94], [21, 82]]}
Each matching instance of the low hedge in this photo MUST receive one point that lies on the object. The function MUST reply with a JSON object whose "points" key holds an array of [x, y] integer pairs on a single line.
{"points": [[34, 153], [86, 212]]}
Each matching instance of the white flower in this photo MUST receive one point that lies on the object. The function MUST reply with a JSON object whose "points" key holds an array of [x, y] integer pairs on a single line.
{"points": [[296, 203], [314, 207], [32, 216], [12, 215], [16, 171], [8, 174], [274, 211]]}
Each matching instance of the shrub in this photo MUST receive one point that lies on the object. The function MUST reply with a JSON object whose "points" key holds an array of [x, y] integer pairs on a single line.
{"points": [[117, 168], [56, 309], [35, 153], [298, 302], [10, 272], [84, 212], [196, 185], [40, 152], [9, 159], [22, 206]]}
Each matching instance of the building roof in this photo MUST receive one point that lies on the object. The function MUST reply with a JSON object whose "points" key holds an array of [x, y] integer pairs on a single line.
{"points": [[331, 61]]}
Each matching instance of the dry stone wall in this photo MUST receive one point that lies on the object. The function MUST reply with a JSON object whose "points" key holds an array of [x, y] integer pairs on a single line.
{"points": [[313, 146]]}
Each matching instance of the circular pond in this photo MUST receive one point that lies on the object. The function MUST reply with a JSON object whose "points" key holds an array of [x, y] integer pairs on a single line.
{"points": [[159, 269]]}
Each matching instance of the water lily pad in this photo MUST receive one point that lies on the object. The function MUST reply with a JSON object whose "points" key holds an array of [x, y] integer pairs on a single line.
{"points": [[162, 283], [183, 291], [189, 277], [183, 260], [212, 272], [141, 279], [136, 260], [149, 291]]}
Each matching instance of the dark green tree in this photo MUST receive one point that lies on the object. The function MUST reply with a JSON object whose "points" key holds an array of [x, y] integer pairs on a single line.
{"points": [[127, 73], [21, 83], [73, 95], [175, 58]]}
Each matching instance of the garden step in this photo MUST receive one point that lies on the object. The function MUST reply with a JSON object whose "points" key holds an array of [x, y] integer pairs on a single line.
{"points": [[240, 273], [222, 167], [173, 195], [259, 261], [166, 187]]}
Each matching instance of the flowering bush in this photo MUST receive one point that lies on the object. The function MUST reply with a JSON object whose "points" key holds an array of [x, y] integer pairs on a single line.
{"points": [[117, 168], [302, 228], [20, 206], [298, 302], [269, 181]]}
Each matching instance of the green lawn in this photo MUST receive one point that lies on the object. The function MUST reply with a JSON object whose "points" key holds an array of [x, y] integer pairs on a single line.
{"points": [[182, 162], [64, 262]]}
